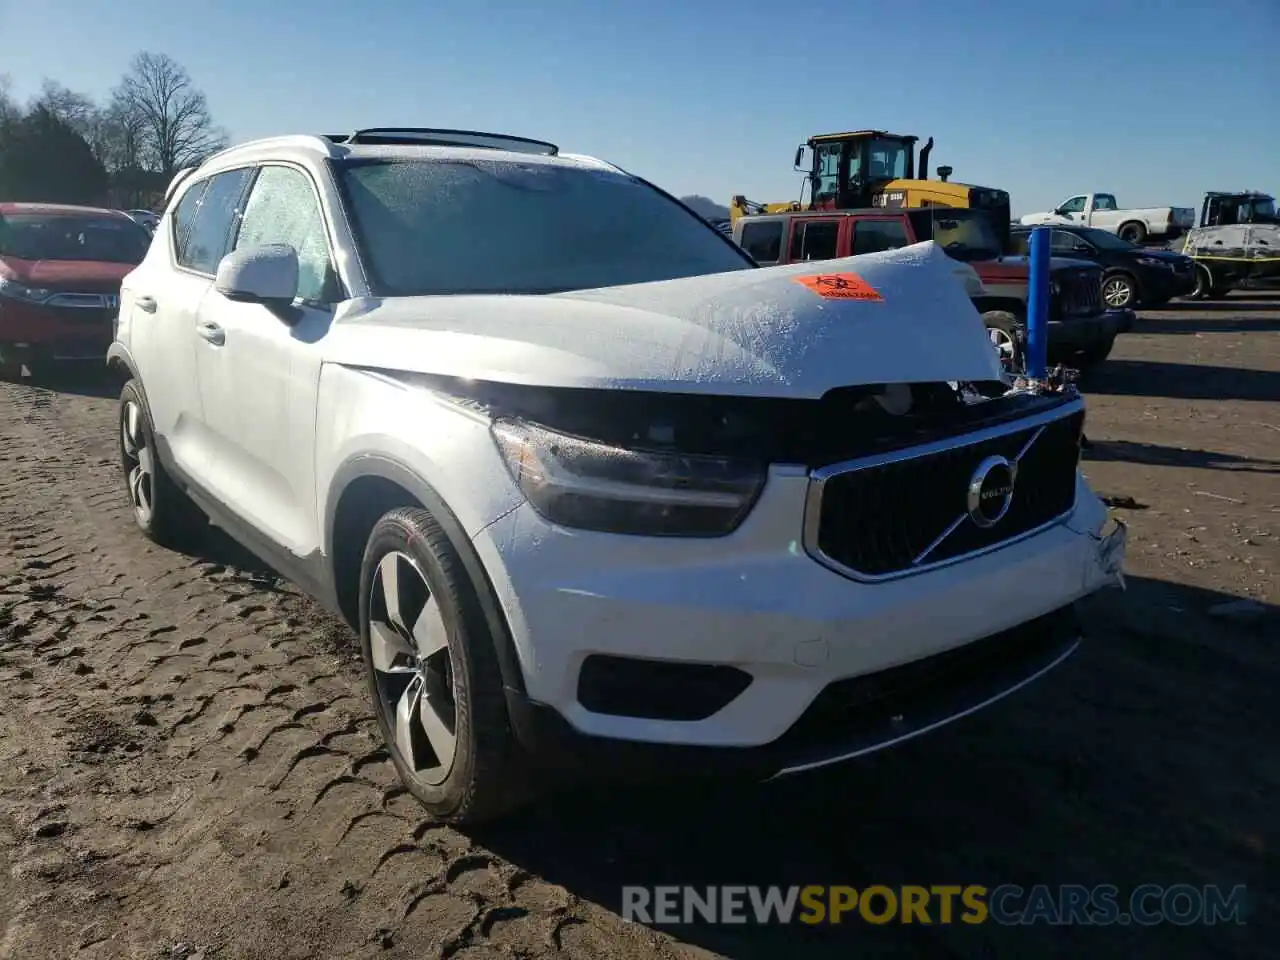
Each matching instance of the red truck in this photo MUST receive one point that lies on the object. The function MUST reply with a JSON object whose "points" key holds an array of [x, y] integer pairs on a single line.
{"points": [[60, 273], [1081, 331]]}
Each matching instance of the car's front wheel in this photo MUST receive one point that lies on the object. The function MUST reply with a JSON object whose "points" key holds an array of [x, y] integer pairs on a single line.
{"points": [[162, 510], [1005, 333], [433, 673], [1119, 291]]}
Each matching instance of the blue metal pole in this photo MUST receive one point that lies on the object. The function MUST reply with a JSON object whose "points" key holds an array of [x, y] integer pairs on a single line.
{"points": [[1038, 303]]}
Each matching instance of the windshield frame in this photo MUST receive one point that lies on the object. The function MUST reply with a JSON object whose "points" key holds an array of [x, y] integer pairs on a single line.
{"points": [[125, 223], [378, 287]]}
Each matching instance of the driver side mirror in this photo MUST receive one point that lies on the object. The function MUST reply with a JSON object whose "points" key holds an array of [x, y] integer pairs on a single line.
{"points": [[265, 274], [799, 161]]}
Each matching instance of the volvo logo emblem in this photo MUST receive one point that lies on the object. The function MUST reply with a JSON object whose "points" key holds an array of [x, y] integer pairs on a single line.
{"points": [[991, 491]]}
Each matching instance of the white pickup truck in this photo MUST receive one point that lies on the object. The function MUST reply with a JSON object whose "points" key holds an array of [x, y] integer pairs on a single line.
{"points": [[1100, 210]]}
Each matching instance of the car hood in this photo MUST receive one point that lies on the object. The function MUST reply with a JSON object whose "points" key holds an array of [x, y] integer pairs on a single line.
{"points": [[83, 275], [760, 332], [1156, 253]]}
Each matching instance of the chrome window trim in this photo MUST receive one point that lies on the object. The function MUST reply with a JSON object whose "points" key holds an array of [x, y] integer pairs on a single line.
{"points": [[818, 480]]}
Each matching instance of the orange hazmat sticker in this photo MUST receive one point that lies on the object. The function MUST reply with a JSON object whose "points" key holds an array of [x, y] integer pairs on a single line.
{"points": [[840, 286]]}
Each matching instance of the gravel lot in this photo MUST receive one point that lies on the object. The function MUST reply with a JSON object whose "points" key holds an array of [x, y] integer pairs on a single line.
{"points": [[188, 767]]}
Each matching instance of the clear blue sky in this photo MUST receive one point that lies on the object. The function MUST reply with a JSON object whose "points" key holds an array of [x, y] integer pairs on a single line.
{"points": [[1154, 100]]}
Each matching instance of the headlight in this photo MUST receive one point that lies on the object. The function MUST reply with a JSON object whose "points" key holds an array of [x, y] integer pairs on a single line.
{"points": [[17, 291], [594, 486], [1153, 262]]}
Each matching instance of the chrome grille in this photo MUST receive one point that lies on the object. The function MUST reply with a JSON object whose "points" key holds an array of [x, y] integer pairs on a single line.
{"points": [[1079, 293], [905, 512]]}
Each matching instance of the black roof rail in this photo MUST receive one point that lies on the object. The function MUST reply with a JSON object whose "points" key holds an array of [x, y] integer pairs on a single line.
{"points": [[430, 136]]}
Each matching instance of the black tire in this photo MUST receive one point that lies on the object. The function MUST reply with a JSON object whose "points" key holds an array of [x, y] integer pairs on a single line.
{"points": [[1095, 355], [1119, 290], [1012, 344], [1133, 231], [1204, 284], [161, 509], [486, 776]]}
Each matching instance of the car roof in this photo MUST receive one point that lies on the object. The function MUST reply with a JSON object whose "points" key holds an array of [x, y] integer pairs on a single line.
{"points": [[1069, 227], [420, 143], [56, 210]]}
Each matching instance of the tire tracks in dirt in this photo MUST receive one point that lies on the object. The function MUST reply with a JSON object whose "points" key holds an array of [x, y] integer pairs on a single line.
{"points": [[188, 761]]}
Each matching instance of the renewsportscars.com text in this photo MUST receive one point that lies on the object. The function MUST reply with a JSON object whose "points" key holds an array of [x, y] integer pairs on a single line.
{"points": [[1007, 904]]}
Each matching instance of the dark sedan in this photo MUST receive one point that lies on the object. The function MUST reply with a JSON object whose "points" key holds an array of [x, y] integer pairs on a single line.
{"points": [[1131, 275]]}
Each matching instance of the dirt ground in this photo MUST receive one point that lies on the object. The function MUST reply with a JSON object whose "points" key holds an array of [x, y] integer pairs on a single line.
{"points": [[188, 768]]}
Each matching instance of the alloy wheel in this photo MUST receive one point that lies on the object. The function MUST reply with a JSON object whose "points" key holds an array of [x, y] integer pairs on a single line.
{"points": [[409, 649], [139, 462], [1117, 292], [1005, 346]]}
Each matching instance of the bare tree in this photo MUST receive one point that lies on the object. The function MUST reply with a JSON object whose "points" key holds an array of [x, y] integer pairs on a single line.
{"points": [[173, 125], [122, 137], [74, 109], [78, 112]]}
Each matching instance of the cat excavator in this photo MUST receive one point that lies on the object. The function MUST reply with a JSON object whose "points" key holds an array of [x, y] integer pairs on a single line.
{"points": [[875, 168]]}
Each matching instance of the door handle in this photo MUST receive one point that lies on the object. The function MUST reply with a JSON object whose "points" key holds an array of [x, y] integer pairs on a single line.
{"points": [[147, 304], [212, 332]]}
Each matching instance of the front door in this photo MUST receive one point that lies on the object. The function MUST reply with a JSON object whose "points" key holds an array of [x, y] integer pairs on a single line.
{"points": [[259, 368]]}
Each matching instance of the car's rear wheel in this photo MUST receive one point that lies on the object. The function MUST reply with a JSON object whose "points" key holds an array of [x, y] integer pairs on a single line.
{"points": [[1203, 283], [433, 673], [162, 510], [1119, 291], [1133, 232]]}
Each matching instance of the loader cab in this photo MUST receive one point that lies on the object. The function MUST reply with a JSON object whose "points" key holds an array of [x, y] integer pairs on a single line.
{"points": [[1229, 209], [845, 169]]}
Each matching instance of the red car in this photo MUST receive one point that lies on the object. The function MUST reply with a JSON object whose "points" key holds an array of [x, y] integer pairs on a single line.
{"points": [[60, 273]]}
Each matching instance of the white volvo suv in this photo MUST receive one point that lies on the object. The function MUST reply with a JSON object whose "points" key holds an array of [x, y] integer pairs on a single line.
{"points": [[591, 484]]}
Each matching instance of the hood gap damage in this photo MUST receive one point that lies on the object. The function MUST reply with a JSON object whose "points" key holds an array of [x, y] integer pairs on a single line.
{"points": [[845, 423]]}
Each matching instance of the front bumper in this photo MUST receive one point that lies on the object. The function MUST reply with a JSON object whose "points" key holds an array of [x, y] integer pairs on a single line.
{"points": [[757, 603], [32, 332], [1081, 333]]}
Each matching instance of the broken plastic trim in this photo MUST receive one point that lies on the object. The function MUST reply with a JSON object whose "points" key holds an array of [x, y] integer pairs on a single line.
{"points": [[844, 424]]}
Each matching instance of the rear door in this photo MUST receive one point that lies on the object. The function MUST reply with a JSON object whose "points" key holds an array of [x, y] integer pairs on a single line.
{"points": [[260, 368], [163, 301], [1262, 243]]}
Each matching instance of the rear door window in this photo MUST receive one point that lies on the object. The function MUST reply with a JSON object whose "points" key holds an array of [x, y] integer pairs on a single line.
{"points": [[206, 240], [185, 215], [763, 240]]}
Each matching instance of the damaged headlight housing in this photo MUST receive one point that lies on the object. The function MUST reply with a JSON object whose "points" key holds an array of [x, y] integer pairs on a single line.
{"points": [[18, 291], [596, 486]]}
